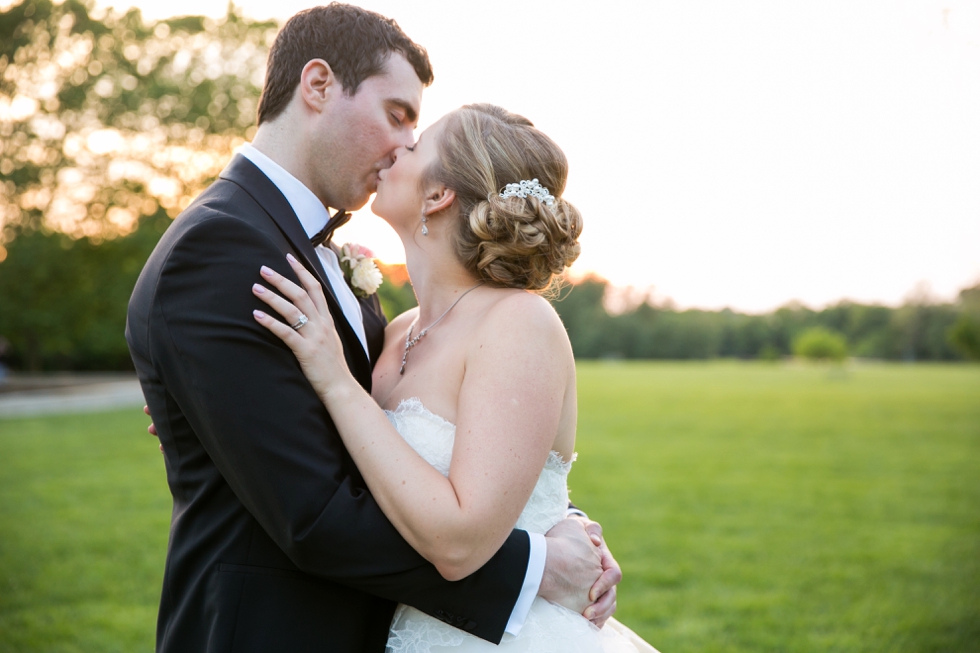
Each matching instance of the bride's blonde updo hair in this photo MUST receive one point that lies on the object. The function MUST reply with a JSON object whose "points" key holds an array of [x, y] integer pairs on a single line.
{"points": [[508, 242]]}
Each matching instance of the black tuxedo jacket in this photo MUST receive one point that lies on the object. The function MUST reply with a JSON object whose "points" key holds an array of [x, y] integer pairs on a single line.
{"points": [[275, 543]]}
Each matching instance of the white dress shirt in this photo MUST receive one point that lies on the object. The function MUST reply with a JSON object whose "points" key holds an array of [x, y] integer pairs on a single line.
{"points": [[313, 216]]}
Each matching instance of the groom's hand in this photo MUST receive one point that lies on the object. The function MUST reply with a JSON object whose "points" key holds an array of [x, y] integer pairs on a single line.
{"points": [[603, 592], [572, 567], [151, 429]]}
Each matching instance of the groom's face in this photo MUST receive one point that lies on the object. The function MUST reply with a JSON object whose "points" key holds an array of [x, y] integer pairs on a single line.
{"points": [[361, 133]]}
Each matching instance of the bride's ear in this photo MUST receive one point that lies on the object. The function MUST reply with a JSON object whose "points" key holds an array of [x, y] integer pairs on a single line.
{"points": [[437, 198]]}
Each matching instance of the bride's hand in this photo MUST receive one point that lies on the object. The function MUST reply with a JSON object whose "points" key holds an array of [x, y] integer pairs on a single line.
{"points": [[573, 564], [315, 343], [604, 589]]}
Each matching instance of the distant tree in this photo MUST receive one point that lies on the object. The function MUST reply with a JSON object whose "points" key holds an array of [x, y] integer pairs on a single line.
{"points": [[819, 343], [969, 299], [63, 300], [109, 126], [586, 320], [788, 322], [106, 118], [964, 334]]}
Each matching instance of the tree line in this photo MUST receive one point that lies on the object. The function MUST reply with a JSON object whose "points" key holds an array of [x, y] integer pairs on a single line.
{"points": [[63, 307], [920, 330]]}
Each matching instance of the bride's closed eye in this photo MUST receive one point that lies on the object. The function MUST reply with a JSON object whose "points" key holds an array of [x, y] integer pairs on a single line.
{"points": [[410, 149]]}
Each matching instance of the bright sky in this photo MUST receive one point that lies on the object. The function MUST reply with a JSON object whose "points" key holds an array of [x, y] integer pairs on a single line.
{"points": [[737, 154]]}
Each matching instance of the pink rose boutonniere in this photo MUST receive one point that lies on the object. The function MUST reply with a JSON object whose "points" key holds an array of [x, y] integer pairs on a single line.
{"points": [[360, 269]]}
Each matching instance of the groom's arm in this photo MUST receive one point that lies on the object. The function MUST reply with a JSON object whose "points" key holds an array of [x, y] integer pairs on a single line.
{"points": [[264, 428]]}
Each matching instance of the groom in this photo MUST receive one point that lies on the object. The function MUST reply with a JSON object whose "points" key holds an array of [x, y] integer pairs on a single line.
{"points": [[275, 542]]}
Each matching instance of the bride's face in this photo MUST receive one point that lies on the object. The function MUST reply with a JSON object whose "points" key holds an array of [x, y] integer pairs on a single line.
{"points": [[400, 190]]}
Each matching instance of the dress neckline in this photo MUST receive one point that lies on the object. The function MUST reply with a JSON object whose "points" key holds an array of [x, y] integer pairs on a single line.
{"points": [[414, 405]]}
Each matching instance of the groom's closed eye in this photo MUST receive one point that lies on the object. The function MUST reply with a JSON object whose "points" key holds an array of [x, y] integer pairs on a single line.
{"points": [[402, 112]]}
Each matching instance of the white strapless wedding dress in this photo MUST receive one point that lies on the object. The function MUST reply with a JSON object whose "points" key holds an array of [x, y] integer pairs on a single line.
{"points": [[549, 627]]}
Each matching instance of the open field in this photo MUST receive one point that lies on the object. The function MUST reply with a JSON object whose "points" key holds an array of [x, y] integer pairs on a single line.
{"points": [[753, 507]]}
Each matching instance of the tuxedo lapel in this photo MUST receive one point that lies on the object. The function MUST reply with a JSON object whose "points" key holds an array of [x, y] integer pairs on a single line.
{"points": [[374, 325], [246, 175]]}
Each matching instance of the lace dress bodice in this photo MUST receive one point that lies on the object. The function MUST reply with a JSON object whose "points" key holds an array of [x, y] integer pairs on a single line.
{"points": [[548, 627], [433, 438]]}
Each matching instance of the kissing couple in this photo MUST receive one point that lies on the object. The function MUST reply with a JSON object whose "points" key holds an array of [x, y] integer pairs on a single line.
{"points": [[343, 484]]}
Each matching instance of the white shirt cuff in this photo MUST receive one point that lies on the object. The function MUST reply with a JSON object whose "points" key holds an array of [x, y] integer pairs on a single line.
{"points": [[532, 582]]}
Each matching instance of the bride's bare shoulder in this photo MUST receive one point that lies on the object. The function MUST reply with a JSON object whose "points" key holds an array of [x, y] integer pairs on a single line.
{"points": [[526, 321]]}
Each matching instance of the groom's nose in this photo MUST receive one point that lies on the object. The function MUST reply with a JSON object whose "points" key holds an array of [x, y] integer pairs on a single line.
{"points": [[405, 138]]}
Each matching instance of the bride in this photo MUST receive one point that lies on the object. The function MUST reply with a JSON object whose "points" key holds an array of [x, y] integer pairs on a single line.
{"points": [[470, 428]]}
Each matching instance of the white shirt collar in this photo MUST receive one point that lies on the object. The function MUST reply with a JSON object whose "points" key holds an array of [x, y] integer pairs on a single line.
{"points": [[307, 206]]}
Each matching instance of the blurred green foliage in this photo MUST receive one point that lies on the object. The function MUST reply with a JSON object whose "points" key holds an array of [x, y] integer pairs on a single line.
{"points": [[964, 335], [63, 301], [820, 344], [63, 306], [769, 353], [919, 330]]}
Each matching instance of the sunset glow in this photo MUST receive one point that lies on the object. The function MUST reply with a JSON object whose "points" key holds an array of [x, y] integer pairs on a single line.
{"points": [[726, 154]]}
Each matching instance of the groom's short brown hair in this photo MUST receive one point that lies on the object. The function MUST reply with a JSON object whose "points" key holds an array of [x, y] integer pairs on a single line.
{"points": [[354, 41]]}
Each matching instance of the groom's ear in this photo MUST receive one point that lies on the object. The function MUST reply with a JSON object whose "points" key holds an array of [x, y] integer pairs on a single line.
{"points": [[317, 84], [437, 198]]}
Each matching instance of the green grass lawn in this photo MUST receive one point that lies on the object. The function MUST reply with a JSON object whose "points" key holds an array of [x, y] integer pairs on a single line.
{"points": [[84, 517], [753, 508], [784, 508]]}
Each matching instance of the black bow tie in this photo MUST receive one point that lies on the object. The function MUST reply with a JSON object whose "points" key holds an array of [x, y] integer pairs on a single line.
{"points": [[338, 219]]}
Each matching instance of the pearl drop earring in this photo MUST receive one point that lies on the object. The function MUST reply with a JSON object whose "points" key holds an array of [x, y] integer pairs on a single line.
{"points": [[425, 229]]}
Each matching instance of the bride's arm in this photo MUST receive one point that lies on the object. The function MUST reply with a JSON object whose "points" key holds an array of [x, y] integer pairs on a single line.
{"points": [[516, 376]]}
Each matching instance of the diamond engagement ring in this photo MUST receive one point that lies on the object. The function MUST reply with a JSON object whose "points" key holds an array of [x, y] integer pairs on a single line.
{"points": [[301, 322]]}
